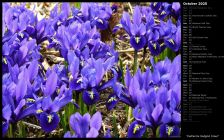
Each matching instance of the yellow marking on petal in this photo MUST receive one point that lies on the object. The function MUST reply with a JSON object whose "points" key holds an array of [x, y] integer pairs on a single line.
{"points": [[154, 4], [30, 100], [91, 94], [156, 88], [171, 41], [136, 128], [156, 20], [21, 34], [79, 81], [162, 44], [70, 17], [163, 13], [58, 23], [112, 99], [79, 14], [108, 53], [58, 91], [39, 111], [154, 46], [100, 20], [169, 130], [5, 61], [82, 63], [49, 118], [119, 25], [137, 39]]}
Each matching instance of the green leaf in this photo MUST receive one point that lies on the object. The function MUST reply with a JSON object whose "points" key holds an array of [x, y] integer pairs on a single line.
{"points": [[145, 135], [83, 106], [157, 132], [66, 64], [122, 70], [77, 5], [22, 130], [114, 123]]}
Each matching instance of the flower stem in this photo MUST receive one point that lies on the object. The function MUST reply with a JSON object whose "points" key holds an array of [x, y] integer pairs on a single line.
{"points": [[114, 123], [10, 132], [135, 62], [83, 106], [22, 130], [134, 71], [143, 60], [129, 113], [92, 109]]}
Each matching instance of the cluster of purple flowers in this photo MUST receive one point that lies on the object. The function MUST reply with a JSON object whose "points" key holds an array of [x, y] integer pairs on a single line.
{"points": [[155, 96], [27, 89], [153, 27], [30, 90], [84, 126]]}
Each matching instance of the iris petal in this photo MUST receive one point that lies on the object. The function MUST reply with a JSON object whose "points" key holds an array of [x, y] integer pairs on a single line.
{"points": [[48, 122], [166, 118], [136, 130], [21, 89], [51, 84], [7, 112], [156, 112], [93, 133], [90, 97], [169, 131], [154, 48], [111, 101], [5, 127], [96, 121], [137, 42], [136, 16], [33, 70], [84, 125], [74, 123], [69, 135]]}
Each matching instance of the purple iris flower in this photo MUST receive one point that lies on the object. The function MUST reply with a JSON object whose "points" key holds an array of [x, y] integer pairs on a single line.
{"points": [[164, 10], [171, 35], [7, 112], [135, 29], [176, 7], [136, 130], [97, 14], [138, 30], [17, 18], [154, 32], [120, 92], [159, 104], [5, 7], [155, 5], [75, 37], [153, 35], [154, 43], [46, 111], [85, 126], [16, 87], [20, 52], [169, 131], [90, 77]]}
